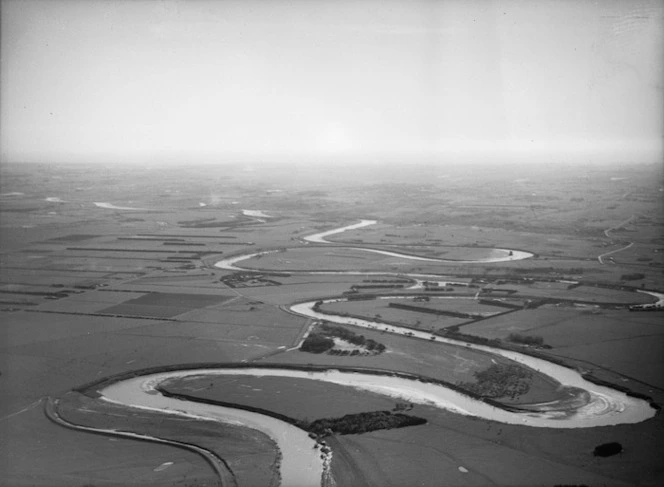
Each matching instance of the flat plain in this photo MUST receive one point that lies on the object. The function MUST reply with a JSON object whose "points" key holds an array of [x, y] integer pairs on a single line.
{"points": [[89, 292]]}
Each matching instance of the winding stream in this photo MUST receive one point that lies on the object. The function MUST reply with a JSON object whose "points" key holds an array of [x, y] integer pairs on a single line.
{"points": [[302, 464], [320, 237], [604, 406]]}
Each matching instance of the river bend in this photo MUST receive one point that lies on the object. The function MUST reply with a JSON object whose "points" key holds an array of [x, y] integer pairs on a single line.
{"points": [[302, 464]]}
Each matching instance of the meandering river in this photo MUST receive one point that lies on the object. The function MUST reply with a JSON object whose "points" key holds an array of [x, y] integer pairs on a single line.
{"points": [[302, 464], [604, 406]]}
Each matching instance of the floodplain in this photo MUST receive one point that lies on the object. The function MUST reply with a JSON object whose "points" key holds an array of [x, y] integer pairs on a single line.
{"points": [[93, 294]]}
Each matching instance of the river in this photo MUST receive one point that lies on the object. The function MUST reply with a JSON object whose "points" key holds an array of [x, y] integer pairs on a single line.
{"points": [[604, 407], [301, 464], [304, 465], [320, 237]]}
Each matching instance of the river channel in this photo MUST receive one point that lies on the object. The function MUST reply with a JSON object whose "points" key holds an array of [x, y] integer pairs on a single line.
{"points": [[304, 465]]}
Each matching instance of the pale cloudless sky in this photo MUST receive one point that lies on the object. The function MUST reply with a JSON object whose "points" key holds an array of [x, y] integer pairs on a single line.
{"points": [[542, 81]]}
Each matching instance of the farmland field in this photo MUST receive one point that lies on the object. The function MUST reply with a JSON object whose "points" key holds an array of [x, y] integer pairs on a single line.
{"points": [[203, 273]]}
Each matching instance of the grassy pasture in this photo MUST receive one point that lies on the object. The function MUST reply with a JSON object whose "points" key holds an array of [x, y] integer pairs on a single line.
{"points": [[451, 235], [591, 294], [494, 454], [283, 295], [300, 399], [58, 457], [371, 308], [250, 454], [315, 258], [428, 322], [164, 305], [619, 340], [341, 259], [263, 335], [437, 360]]}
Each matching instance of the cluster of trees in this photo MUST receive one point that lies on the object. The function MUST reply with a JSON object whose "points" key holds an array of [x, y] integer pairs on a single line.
{"points": [[316, 343], [608, 449], [353, 424], [500, 380], [321, 341], [352, 337], [532, 340], [358, 297], [352, 353]]}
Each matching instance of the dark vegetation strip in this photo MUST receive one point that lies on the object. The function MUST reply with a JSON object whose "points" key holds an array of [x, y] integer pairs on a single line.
{"points": [[190, 244], [354, 424], [106, 315], [353, 296], [225, 225], [377, 286], [152, 239], [179, 241], [397, 281], [218, 464], [150, 279], [183, 236], [68, 270], [111, 249], [16, 283], [36, 293], [146, 258], [232, 243]]}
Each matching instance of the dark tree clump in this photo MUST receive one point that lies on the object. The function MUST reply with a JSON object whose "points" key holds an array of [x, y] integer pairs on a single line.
{"points": [[608, 449], [317, 344]]}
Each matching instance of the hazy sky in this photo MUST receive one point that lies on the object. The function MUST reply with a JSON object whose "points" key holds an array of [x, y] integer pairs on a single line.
{"points": [[210, 80]]}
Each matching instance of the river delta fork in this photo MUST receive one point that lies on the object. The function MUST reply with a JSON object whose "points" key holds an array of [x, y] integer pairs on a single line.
{"points": [[362, 325]]}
